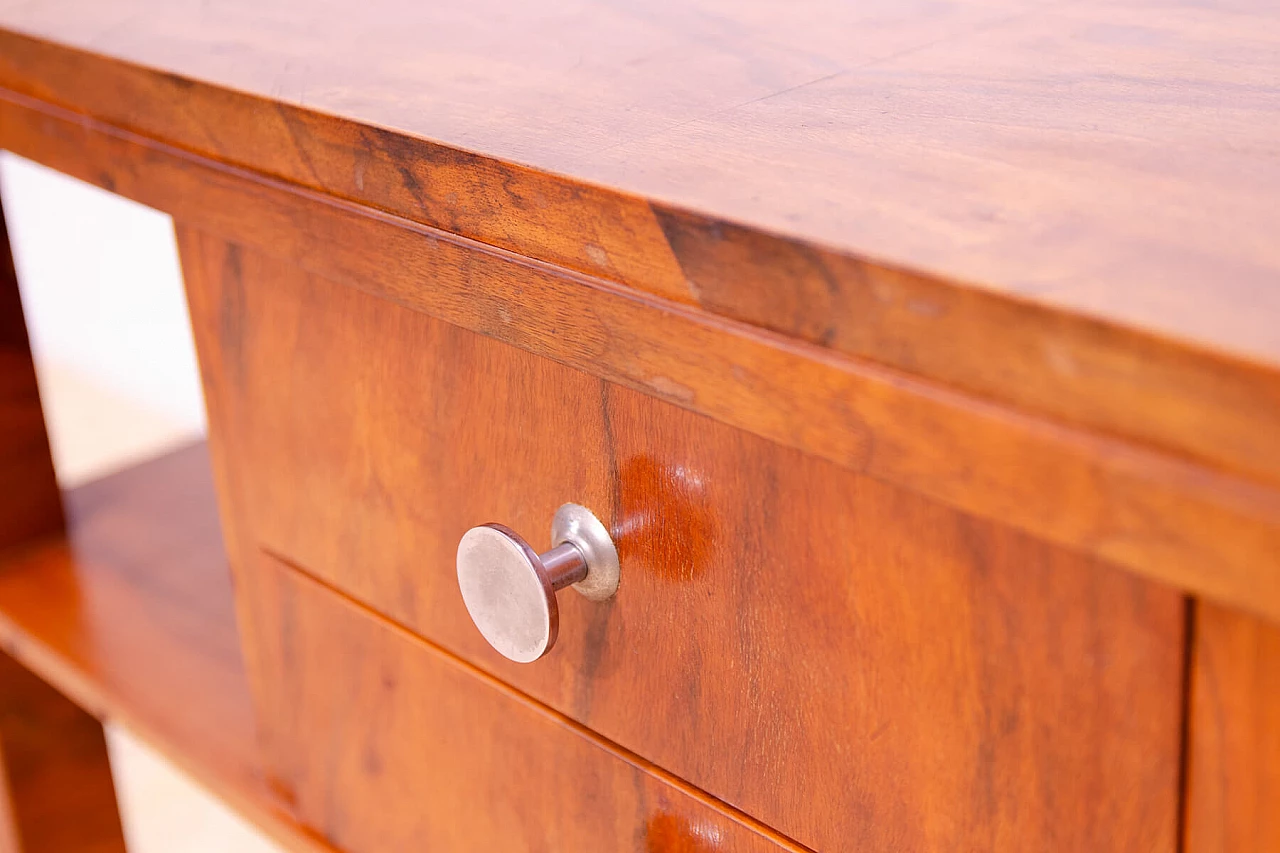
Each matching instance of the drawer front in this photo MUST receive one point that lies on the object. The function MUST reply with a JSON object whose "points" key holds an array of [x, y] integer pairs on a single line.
{"points": [[384, 743], [856, 666]]}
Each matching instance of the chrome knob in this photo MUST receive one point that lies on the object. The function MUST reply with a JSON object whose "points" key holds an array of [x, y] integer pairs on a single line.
{"points": [[510, 589]]}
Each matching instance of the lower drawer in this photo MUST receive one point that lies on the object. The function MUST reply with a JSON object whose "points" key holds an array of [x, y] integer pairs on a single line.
{"points": [[385, 743]]}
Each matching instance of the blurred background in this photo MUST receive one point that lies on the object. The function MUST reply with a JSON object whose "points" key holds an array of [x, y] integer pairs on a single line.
{"points": [[102, 292]]}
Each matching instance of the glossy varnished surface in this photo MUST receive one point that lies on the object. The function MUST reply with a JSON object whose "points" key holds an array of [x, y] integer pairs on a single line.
{"points": [[131, 617], [56, 792], [1159, 516], [871, 607], [809, 645], [1103, 179], [1148, 510], [1143, 508], [1233, 760], [387, 744], [1109, 157]]}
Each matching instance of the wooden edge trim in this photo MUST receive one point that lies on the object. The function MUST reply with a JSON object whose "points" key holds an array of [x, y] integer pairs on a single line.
{"points": [[1232, 778], [1160, 516], [1182, 398]]}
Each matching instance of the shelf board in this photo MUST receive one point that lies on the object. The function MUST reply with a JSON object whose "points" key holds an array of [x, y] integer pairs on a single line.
{"points": [[131, 616]]}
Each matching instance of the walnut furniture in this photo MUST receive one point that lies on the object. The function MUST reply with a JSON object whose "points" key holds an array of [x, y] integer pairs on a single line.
{"points": [[922, 363]]}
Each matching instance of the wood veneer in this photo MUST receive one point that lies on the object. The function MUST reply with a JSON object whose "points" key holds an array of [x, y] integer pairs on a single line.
{"points": [[385, 743], [1009, 284], [1037, 150], [1233, 750], [130, 616], [1147, 511], [856, 650], [1098, 248]]}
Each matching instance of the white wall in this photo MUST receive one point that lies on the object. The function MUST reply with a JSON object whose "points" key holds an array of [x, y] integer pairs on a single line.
{"points": [[102, 293]]}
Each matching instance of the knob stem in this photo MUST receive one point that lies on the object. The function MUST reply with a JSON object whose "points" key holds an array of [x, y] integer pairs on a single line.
{"points": [[565, 565], [510, 589]]}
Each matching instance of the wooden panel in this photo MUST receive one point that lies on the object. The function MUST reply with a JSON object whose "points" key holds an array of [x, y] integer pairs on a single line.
{"points": [[389, 744], [792, 628], [1233, 770], [1153, 513], [131, 617], [55, 783], [29, 500], [1081, 368], [1105, 156]]}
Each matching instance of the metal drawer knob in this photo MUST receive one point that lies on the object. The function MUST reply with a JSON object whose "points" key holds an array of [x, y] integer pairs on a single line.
{"points": [[510, 589]]}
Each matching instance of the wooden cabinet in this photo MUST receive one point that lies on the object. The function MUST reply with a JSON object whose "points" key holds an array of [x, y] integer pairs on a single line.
{"points": [[805, 644], [922, 368]]}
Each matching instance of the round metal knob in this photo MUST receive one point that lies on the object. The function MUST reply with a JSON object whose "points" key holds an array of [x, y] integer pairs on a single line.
{"points": [[510, 589]]}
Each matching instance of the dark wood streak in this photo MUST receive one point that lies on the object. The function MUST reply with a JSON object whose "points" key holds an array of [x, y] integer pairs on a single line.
{"points": [[1155, 514], [911, 328], [775, 611], [1189, 399]]}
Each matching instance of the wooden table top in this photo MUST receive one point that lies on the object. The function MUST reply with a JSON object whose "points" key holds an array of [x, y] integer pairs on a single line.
{"points": [[1113, 159]]}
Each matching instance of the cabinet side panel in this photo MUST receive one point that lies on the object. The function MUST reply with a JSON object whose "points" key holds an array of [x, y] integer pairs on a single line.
{"points": [[211, 275], [30, 504], [56, 791], [1233, 770]]}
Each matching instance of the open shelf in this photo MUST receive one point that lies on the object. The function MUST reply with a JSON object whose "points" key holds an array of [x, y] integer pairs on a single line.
{"points": [[131, 616]]}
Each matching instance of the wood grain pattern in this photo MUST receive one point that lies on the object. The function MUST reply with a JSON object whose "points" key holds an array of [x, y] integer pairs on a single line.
{"points": [[387, 744], [131, 617], [1069, 153], [1151, 513], [1148, 512], [884, 671], [55, 783], [911, 302], [1233, 770], [30, 504], [1124, 320]]}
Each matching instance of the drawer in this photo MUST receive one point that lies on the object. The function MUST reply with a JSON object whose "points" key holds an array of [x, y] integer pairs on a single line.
{"points": [[383, 743], [854, 665]]}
